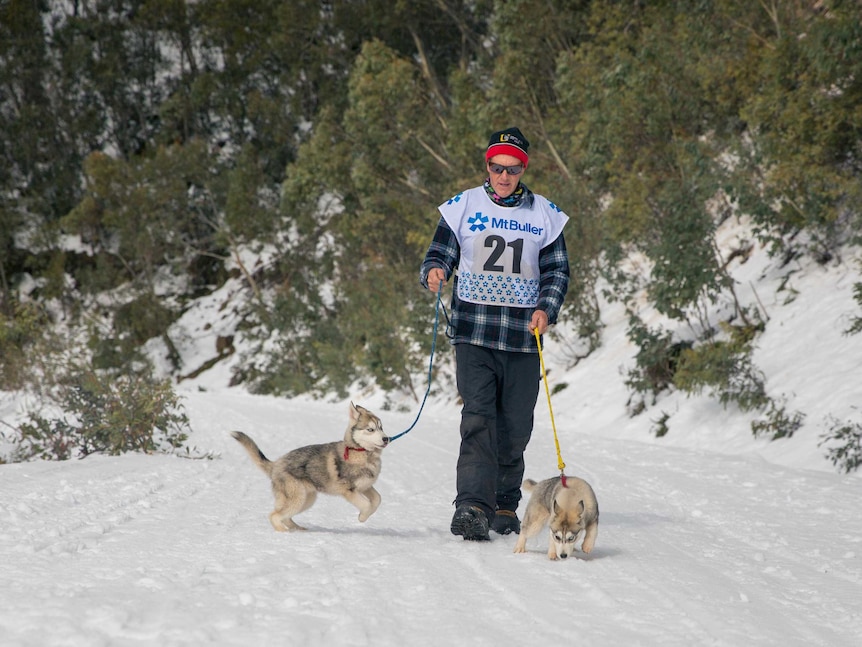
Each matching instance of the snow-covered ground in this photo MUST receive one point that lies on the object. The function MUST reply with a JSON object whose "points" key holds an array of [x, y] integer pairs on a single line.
{"points": [[707, 536]]}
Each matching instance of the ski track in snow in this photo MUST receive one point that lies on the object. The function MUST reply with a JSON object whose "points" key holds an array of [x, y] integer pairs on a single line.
{"points": [[694, 548]]}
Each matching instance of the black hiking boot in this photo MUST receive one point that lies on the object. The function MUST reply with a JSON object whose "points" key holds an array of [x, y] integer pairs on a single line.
{"points": [[471, 523], [506, 521]]}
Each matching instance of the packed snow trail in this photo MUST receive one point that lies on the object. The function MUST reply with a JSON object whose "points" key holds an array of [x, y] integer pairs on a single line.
{"points": [[694, 548]]}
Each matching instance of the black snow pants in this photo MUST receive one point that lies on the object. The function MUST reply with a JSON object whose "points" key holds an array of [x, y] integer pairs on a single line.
{"points": [[499, 390]]}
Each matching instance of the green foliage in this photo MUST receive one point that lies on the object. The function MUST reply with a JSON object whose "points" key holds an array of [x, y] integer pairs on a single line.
{"points": [[801, 167], [525, 59], [22, 335], [134, 322], [725, 368], [586, 243], [46, 439], [348, 184], [249, 209], [778, 423], [44, 132], [856, 323], [846, 440], [319, 139], [660, 427], [143, 318], [150, 213], [109, 414], [643, 144], [657, 360]]}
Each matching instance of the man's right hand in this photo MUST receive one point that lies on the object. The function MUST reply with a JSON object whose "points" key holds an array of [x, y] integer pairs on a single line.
{"points": [[436, 279]]}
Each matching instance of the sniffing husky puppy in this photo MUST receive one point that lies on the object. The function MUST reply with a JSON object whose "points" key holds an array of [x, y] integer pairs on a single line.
{"points": [[569, 512], [348, 468]]}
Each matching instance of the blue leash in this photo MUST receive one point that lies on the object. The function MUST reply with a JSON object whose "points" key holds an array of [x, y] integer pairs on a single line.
{"points": [[430, 366]]}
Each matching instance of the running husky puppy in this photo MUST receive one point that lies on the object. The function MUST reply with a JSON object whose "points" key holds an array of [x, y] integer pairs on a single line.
{"points": [[569, 511], [348, 468]]}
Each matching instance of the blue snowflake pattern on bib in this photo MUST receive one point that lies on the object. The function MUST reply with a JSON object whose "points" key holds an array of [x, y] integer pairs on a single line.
{"points": [[500, 290]]}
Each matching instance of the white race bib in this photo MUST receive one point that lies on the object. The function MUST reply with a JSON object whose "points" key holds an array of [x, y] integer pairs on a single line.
{"points": [[500, 246]]}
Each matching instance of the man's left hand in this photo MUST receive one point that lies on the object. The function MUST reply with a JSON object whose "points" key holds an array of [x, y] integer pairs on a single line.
{"points": [[539, 321]]}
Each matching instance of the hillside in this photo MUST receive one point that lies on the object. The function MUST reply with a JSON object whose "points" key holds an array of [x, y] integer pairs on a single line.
{"points": [[809, 364], [242, 192], [707, 535]]}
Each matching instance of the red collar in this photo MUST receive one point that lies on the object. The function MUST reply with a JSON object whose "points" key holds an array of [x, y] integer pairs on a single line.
{"points": [[347, 449]]}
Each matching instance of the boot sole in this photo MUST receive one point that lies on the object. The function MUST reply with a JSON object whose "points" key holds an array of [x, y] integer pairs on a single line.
{"points": [[471, 528]]}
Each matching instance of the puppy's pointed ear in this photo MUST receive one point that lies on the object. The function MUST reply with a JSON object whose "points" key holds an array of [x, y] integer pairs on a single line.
{"points": [[354, 412], [581, 506]]}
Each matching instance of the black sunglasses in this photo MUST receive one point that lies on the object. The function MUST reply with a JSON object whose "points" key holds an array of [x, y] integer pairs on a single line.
{"points": [[496, 169]]}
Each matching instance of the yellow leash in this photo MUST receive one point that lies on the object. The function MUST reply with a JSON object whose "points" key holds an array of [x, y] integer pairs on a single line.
{"points": [[560, 464]]}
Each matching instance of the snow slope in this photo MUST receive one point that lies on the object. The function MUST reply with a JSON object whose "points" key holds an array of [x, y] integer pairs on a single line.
{"points": [[708, 536], [694, 548]]}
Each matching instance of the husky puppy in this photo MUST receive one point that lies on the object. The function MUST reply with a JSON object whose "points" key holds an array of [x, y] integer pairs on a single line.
{"points": [[569, 511], [348, 468]]}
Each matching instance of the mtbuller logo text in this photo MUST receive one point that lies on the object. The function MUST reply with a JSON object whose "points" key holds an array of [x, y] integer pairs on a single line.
{"points": [[514, 225]]}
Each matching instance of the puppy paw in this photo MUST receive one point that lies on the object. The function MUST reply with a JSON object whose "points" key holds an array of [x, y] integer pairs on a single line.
{"points": [[284, 525]]}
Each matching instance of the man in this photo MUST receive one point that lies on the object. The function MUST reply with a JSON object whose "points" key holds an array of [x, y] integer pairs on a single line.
{"points": [[513, 273]]}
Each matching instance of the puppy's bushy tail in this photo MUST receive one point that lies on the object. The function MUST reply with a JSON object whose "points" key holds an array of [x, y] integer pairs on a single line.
{"points": [[254, 451], [529, 484]]}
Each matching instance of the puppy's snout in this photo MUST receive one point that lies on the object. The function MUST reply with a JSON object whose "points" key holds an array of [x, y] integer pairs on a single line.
{"points": [[564, 555], [385, 441]]}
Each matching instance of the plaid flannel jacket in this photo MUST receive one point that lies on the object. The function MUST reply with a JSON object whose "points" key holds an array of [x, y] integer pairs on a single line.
{"points": [[498, 327]]}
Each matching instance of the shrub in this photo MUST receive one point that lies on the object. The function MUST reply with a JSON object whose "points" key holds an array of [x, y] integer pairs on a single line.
{"points": [[727, 370], [110, 415], [46, 439], [856, 323], [778, 423], [656, 360], [143, 318], [846, 454], [660, 426], [21, 335]]}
